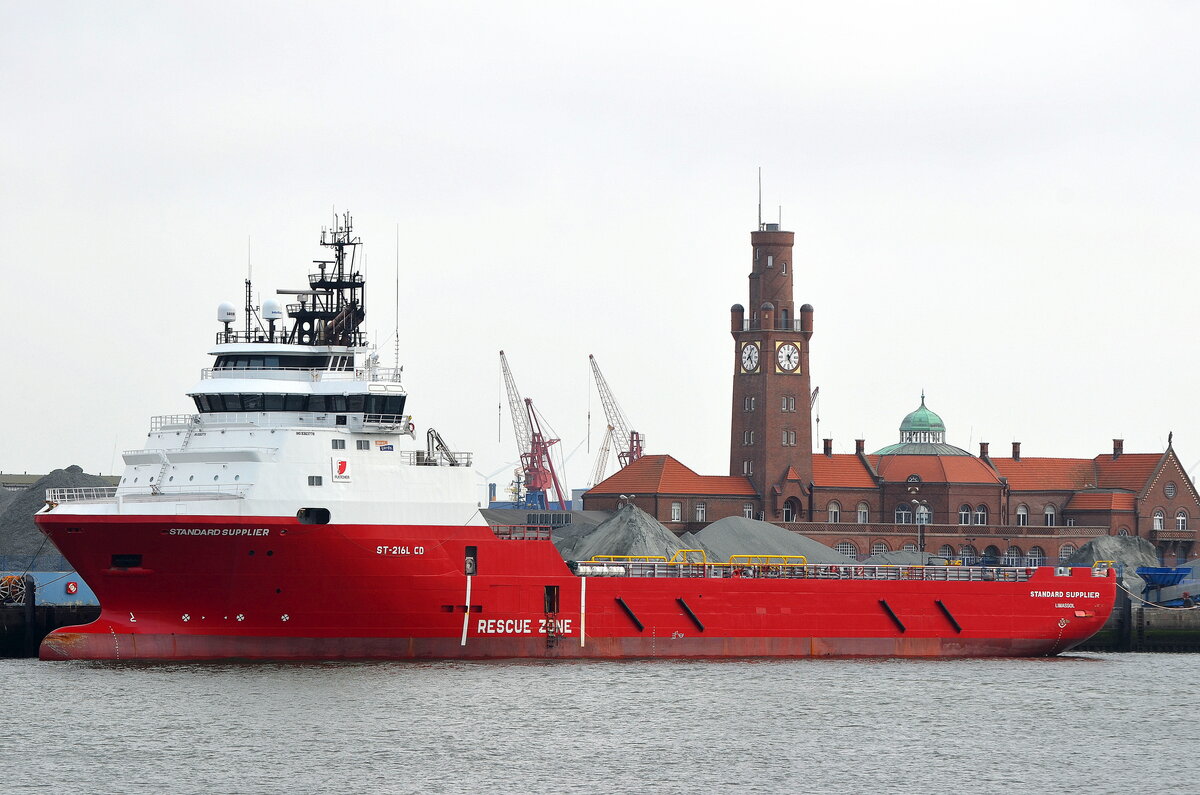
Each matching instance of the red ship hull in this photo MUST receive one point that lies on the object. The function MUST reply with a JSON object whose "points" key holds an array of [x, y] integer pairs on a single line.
{"points": [[196, 588]]}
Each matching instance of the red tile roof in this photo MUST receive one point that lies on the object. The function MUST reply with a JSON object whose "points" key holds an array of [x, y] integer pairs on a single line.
{"points": [[1102, 501], [842, 470], [1047, 474], [1130, 471], [662, 474], [934, 468]]}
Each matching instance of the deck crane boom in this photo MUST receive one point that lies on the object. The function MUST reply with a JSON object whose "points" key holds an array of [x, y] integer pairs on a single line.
{"points": [[627, 443], [533, 445]]}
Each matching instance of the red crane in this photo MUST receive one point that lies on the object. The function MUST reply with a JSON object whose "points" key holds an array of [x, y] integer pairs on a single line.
{"points": [[534, 445]]}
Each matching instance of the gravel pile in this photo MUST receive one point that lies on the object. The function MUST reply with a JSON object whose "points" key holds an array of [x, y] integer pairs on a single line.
{"points": [[1133, 551], [897, 558], [736, 535], [630, 531], [19, 536]]}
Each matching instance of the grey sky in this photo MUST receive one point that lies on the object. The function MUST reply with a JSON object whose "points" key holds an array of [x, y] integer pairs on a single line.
{"points": [[993, 202]]}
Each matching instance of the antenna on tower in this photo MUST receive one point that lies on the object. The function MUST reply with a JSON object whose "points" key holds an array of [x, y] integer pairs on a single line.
{"points": [[397, 295], [760, 226]]}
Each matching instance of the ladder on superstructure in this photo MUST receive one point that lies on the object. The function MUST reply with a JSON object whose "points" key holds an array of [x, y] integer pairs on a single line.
{"points": [[156, 483]]}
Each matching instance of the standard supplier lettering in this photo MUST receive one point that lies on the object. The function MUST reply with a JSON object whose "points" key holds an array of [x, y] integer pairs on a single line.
{"points": [[522, 626], [1065, 594], [219, 531]]}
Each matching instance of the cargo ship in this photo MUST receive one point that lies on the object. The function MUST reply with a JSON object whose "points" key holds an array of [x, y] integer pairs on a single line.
{"points": [[300, 513]]}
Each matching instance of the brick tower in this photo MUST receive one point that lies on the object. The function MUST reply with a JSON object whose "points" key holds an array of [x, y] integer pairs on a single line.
{"points": [[771, 432]]}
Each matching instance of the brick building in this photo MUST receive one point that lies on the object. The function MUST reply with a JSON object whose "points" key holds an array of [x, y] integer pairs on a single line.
{"points": [[920, 493]]}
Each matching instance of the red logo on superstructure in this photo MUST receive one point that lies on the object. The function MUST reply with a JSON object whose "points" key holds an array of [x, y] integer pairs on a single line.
{"points": [[342, 467]]}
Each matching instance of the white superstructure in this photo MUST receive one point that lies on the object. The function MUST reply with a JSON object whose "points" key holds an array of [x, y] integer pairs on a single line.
{"points": [[301, 422]]}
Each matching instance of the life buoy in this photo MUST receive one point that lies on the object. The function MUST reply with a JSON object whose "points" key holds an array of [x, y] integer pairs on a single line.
{"points": [[411, 427], [858, 572]]}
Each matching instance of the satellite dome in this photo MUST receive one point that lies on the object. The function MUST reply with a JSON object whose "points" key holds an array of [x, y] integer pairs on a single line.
{"points": [[272, 309], [226, 313]]}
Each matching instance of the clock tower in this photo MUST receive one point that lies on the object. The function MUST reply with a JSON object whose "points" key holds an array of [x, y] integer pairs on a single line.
{"points": [[771, 432]]}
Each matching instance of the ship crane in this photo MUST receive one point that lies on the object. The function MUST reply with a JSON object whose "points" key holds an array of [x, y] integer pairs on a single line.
{"points": [[534, 446], [627, 443]]}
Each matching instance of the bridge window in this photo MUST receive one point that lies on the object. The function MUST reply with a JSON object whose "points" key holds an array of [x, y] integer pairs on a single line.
{"points": [[254, 401]]}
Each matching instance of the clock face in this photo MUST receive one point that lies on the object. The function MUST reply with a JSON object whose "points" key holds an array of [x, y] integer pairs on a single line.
{"points": [[788, 357], [750, 357]]}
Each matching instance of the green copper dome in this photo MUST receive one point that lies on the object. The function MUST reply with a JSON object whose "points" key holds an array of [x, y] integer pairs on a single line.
{"points": [[922, 420], [922, 433]]}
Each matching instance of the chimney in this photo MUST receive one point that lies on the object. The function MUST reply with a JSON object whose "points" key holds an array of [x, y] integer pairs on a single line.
{"points": [[1016, 451], [860, 446], [828, 447], [983, 449], [1118, 448]]}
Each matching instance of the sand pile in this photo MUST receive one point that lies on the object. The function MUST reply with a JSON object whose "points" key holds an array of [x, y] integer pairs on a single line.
{"points": [[19, 536], [630, 531], [736, 535], [897, 558]]}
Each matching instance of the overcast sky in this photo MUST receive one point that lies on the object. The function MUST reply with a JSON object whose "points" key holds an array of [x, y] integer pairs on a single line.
{"points": [[995, 203]]}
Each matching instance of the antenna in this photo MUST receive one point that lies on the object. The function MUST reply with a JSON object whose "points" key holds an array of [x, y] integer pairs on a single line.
{"points": [[760, 226], [397, 295]]}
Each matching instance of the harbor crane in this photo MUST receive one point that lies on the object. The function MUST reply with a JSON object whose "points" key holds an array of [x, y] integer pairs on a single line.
{"points": [[537, 468], [626, 442]]}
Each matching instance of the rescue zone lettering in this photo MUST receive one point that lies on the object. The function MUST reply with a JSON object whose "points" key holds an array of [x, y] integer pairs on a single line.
{"points": [[219, 531], [521, 626]]}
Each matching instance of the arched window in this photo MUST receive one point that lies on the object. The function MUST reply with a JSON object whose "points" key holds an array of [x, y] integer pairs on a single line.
{"points": [[791, 510], [981, 514], [964, 514], [847, 548], [945, 551], [1181, 520], [1037, 556], [1013, 556], [1124, 531], [923, 514], [864, 513], [1159, 518], [992, 551], [1022, 515], [910, 546], [903, 514], [835, 512], [879, 547], [1065, 552], [968, 553], [1049, 512]]}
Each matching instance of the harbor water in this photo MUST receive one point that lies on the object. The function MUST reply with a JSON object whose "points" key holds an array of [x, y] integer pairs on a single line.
{"points": [[1087, 723]]}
